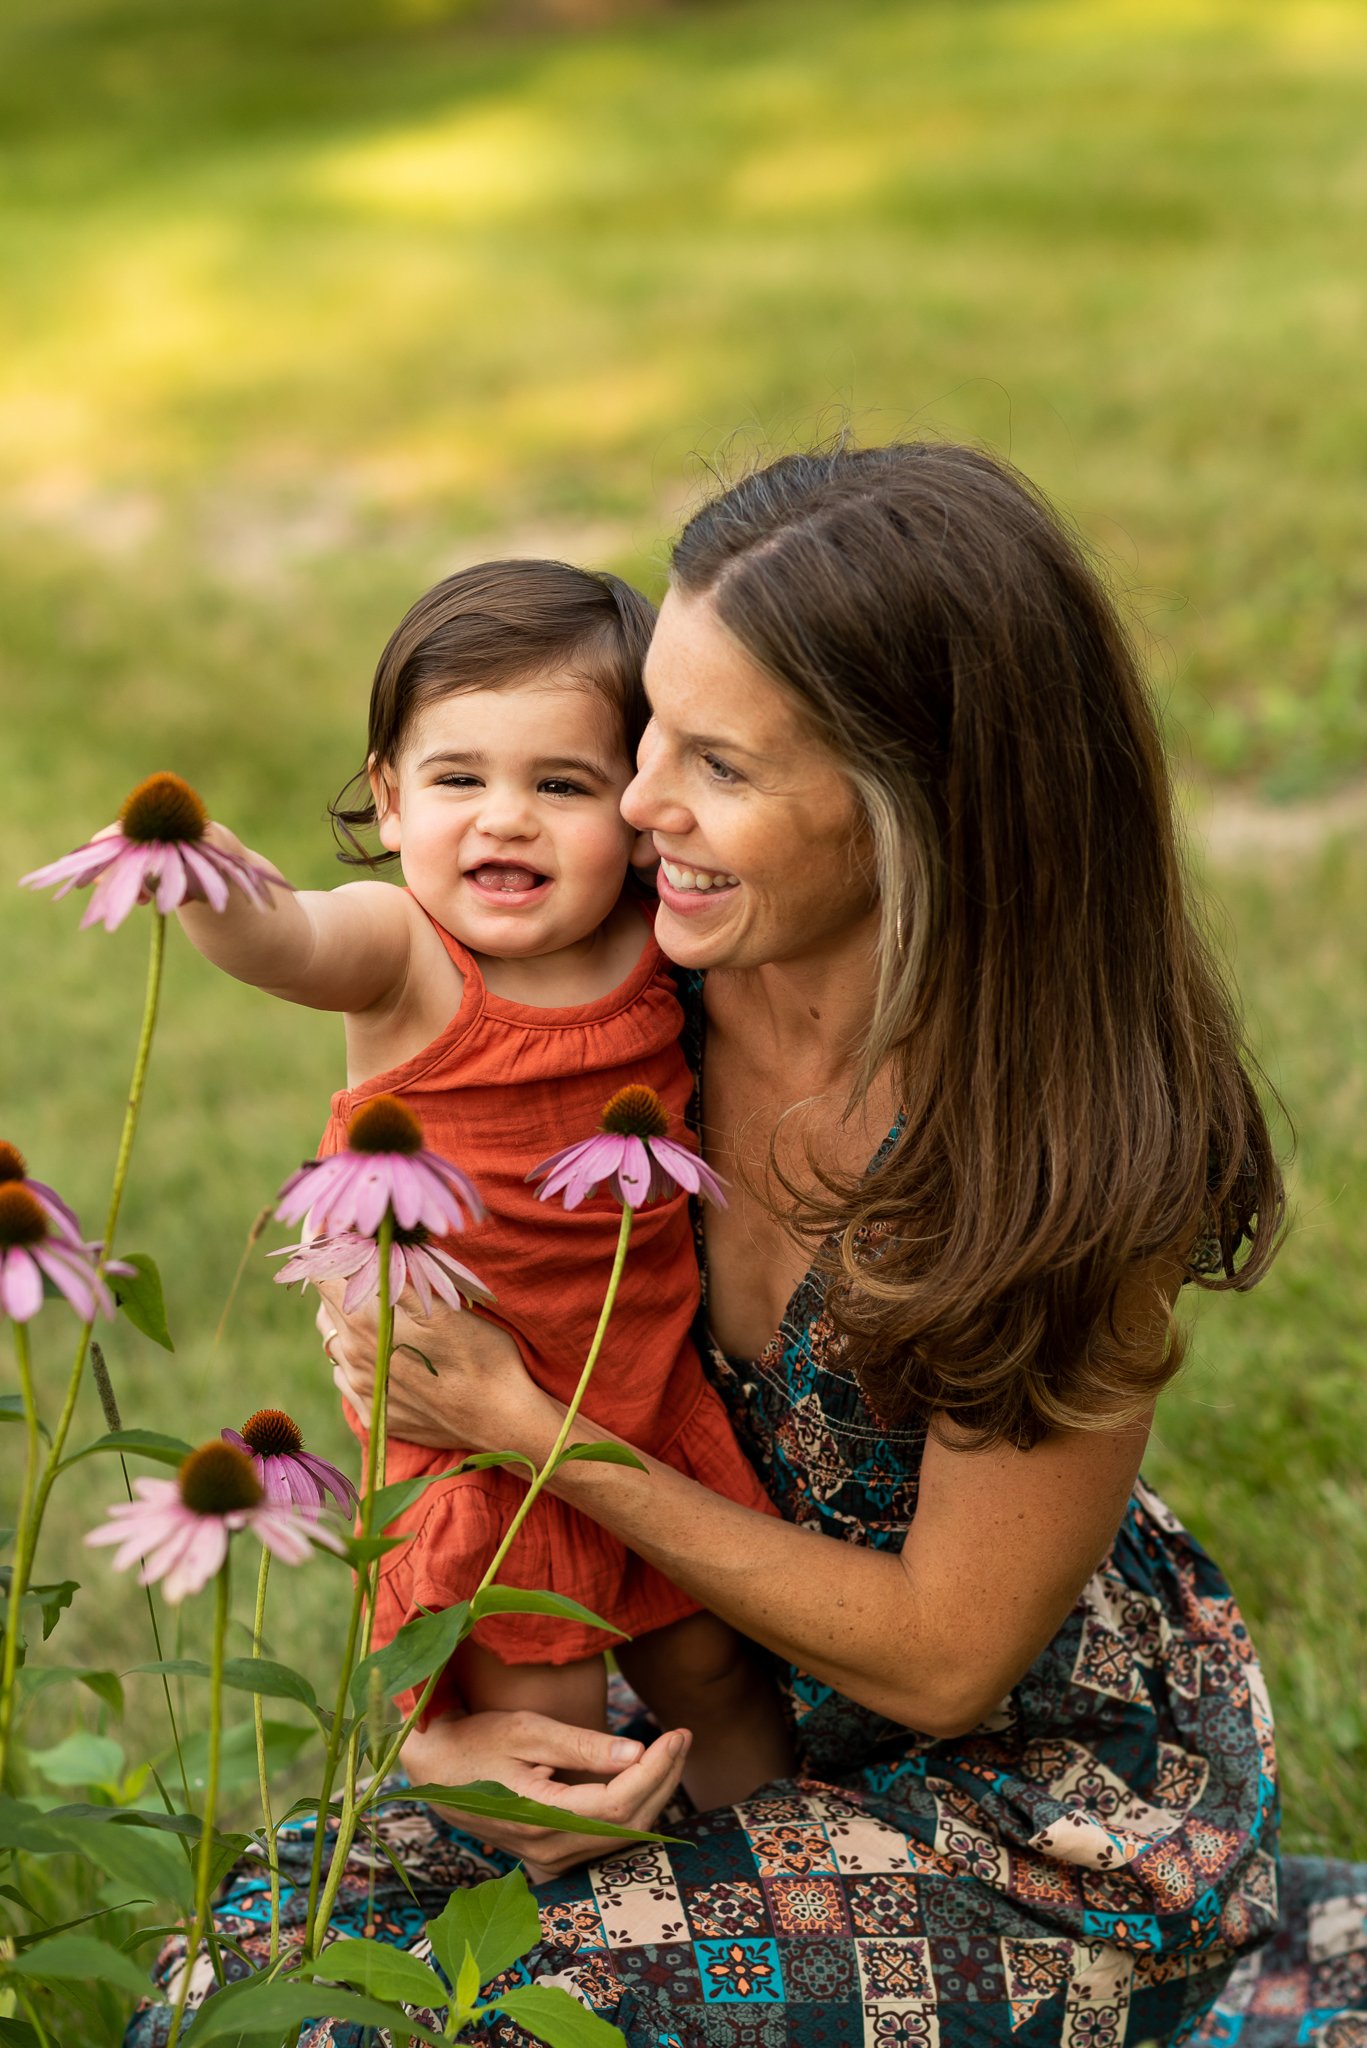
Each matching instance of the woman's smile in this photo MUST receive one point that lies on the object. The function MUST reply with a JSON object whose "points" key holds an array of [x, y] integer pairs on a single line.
{"points": [[760, 835]]}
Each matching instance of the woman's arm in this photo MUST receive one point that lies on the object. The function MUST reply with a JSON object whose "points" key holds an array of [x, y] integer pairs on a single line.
{"points": [[1001, 1544], [329, 949]]}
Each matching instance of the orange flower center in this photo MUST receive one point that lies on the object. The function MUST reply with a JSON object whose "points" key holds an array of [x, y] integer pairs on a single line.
{"points": [[12, 1163], [23, 1219], [217, 1478], [163, 808], [384, 1125], [271, 1433], [635, 1112]]}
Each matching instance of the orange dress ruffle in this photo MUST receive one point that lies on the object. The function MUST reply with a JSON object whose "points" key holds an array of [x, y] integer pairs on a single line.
{"points": [[501, 1088]]}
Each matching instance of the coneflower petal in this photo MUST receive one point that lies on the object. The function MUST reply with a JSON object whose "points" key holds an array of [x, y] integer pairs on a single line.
{"points": [[21, 1285], [634, 1172], [117, 891], [173, 883], [201, 1558], [204, 865]]}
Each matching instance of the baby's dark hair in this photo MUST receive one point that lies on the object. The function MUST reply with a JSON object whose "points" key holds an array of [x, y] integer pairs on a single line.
{"points": [[484, 628]]}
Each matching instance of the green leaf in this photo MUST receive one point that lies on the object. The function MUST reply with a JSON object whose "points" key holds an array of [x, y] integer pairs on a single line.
{"points": [[106, 1685], [496, 1920], [245, 1674], [49, 1601], [24, 1941], [524, 1600], [85, 1958], [12, 1410], [137, 1443], [186, 1824], [488, 1801], [379, 1967], [140, 1297], [391, 1501], [142, 1859], [553, 2016], [421, 1647], [599, 1454], [379, 1847], [83, 1759], [467, 1980], [17, 2034], [482, 1460], [255, 2007]]}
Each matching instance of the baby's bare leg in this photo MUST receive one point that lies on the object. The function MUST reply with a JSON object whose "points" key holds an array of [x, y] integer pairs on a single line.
{"points": [[698, 1673], [573, 1693]]}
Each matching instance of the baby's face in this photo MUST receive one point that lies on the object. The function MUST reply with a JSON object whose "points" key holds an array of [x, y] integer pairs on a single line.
{"points": [[504, 808]]}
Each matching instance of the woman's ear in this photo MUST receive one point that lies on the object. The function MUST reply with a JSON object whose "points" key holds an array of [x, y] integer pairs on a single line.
{"points": [[384, 788]]}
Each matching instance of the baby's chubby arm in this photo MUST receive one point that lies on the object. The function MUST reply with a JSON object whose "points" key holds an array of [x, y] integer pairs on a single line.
{"points": [[329, 949]]}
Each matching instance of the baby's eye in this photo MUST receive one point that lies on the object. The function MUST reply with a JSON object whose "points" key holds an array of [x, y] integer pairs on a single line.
{"points": [[559, 785], [454, 781]]}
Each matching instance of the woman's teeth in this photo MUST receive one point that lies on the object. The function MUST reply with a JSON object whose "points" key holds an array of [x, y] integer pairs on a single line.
{"points": [[697, 878]]}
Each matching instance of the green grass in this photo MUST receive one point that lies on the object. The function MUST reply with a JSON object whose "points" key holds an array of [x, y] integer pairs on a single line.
{"points": [[303, 305]]}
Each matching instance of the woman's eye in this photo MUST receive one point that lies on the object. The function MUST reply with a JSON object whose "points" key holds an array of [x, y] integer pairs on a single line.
{"points": [[719, 770]]}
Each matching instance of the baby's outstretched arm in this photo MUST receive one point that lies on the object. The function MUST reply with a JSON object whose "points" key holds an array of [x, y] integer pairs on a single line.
{"points": [[329, 949]]}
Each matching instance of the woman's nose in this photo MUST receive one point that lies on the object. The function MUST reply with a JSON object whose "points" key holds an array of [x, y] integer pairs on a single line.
{"points": [[647, 801]]}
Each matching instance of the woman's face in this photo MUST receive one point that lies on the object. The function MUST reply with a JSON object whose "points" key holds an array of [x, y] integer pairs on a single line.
{"points": [[763, 854]]}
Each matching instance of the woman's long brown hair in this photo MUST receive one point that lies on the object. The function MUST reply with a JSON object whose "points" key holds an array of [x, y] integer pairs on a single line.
{"points": [[1076, 1092]]}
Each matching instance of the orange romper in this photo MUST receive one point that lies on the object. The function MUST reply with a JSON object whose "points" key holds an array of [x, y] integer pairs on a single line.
{"points": [[501, 1088]]}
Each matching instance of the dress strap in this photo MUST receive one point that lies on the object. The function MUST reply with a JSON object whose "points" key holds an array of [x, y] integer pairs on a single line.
{"points": [[460, 956]]}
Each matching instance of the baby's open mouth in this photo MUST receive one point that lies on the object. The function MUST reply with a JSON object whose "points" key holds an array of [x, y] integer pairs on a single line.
{"points": [[504, 878]]}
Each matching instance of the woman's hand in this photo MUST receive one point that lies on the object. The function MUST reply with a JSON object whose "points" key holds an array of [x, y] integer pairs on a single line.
{"points": [[624, 1781], [476, 1393]]}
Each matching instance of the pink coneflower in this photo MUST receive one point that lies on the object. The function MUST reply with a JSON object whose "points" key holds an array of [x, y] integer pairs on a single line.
{"points": [[14, 1172], [631, 1153], [34, 1245], [414, 1261], [384, 1167], [181, 1527], [158, 849], [287, 1472]]}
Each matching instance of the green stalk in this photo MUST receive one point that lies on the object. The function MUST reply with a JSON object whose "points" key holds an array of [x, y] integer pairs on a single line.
{"points": [[25, 1537], [259, 1716], [374, 1480], [130, 1123], [203, 1914], [391, 1756], [609, 1301]]}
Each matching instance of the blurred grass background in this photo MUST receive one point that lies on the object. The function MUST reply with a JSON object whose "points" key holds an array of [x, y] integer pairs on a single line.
{"points": [[305, 306]]}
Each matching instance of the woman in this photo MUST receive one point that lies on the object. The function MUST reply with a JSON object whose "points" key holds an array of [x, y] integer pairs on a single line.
{"points": [[981, 1101]]}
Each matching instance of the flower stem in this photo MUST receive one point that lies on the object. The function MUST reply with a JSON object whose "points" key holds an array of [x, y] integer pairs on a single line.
{"points": [[362, 1602], [24, 1538], [609, 1301], [155, 962], [130, 1124], [206, 1839], [419, 1707], [259, 1716]]}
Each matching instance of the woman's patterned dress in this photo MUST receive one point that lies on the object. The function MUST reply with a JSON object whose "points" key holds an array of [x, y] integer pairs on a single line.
{"points": [[1095, 1865]]}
